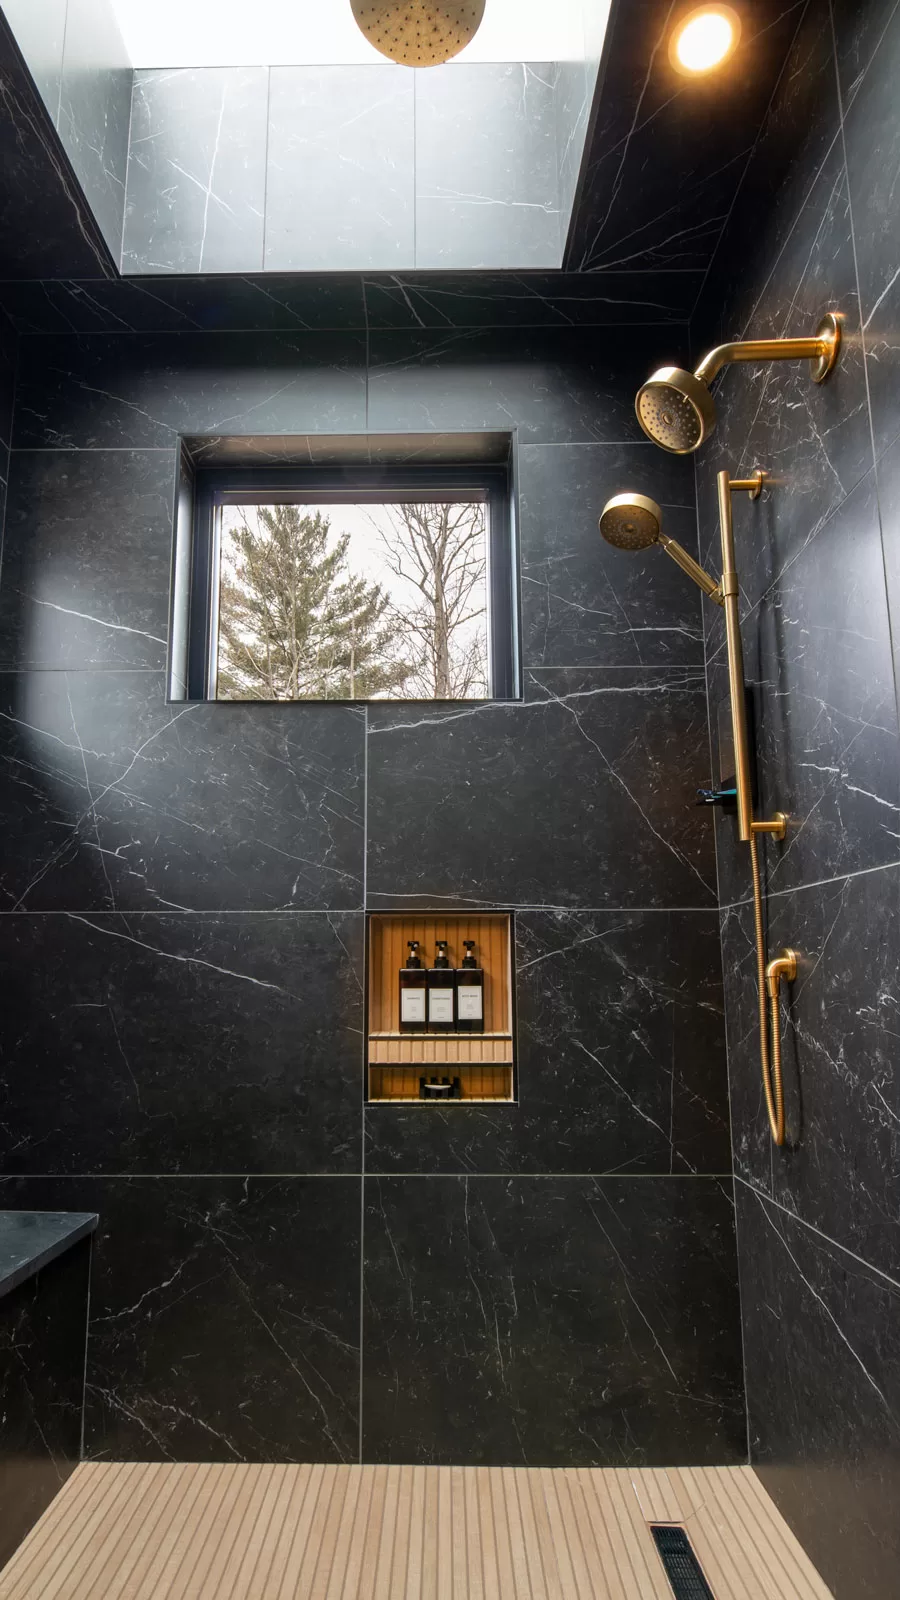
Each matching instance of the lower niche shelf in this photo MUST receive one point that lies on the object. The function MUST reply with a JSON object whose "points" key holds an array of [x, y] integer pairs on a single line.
{"points": [[482, 1064], [487, 1082]]}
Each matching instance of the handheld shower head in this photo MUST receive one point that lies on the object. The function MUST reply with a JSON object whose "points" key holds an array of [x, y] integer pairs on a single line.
{"points": [[634, 522], [675, 407], [631, 522]]}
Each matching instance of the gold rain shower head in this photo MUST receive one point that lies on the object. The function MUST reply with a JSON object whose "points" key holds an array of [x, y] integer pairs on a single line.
{"points": [[419, 33], [634, 522], [677, 411]]}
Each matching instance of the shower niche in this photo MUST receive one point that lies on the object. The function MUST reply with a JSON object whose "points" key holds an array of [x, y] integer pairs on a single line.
{"points": [[422, 1065]]}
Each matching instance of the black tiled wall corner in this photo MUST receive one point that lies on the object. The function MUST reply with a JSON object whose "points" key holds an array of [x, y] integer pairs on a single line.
{"points": [[76, 58], [818, 1222], [184, 897]]}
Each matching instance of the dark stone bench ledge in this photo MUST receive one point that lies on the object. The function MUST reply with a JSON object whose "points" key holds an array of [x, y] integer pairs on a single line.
{"points": [[31, 1239]]}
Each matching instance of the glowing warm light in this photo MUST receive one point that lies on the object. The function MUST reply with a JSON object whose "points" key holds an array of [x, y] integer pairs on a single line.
{"points": [[705, 38]]}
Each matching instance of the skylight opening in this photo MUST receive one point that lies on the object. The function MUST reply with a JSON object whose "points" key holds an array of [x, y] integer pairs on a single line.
{"points": [[230, 33]]}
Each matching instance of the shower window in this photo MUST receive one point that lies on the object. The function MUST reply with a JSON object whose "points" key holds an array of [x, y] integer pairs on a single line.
{"points": [[352, 584]]}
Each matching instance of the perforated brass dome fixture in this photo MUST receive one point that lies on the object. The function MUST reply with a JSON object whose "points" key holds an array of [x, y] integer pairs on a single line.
{"points": [[419, 33]]}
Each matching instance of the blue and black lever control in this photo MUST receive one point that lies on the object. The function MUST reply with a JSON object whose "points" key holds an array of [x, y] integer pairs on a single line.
{"points": [[717, 797]]}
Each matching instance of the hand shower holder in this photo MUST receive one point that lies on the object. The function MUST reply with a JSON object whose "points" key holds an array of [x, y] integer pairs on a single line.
{"points": [[730, 588]]}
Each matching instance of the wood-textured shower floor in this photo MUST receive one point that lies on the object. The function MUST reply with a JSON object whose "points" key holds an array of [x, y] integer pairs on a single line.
{"points": [[136, 1531]]}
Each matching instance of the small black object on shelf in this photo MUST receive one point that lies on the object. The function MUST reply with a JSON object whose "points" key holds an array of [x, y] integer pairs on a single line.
{"points": [[439, 1089]]}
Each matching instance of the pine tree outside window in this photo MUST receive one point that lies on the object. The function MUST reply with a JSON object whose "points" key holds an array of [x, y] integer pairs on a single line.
{"points": [[318, 591]]}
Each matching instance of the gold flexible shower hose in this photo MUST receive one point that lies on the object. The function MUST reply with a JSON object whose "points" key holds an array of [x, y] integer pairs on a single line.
{"points": [[771, 1072]]}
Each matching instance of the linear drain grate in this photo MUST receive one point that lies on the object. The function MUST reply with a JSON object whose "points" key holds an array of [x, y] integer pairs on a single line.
{"points": [[682, 1567]]}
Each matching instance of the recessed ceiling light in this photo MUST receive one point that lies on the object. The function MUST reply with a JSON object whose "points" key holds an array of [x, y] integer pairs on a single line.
{"points": [[704, 38]]}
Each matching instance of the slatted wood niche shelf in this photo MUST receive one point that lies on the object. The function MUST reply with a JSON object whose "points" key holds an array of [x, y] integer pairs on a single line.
{"points": [[483, 1062]]}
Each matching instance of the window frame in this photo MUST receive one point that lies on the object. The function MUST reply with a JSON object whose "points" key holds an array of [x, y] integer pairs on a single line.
{"points": [[357, 483]]}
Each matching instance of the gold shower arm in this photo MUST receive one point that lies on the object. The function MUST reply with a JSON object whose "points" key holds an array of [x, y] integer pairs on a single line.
{"points": [[822, 349], [693, 568]]}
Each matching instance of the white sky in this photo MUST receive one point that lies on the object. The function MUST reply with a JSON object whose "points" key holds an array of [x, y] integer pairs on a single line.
{"points": [[220, 33]]}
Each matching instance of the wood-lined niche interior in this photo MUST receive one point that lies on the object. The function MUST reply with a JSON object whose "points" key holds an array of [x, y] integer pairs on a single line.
{"points": [[483, 1062]]}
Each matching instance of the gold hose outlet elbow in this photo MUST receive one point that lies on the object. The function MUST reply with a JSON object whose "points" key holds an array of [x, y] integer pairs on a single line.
{"points": [[783, 968]]}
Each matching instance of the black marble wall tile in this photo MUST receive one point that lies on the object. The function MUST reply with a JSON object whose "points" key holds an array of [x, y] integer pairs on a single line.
{"points": [[550, 1322], [46, 227], [814, 553], [340, 182], [9, 342], [526, 299], [860, 27], [140, 390], [801, 127], [223, 304], [576, 82], [4, 480], [9, 356], [609, 762], [556, 387], [343, 301], [620, 1058], [751, 1144], [197, 171], [119, 805], [813, 439], [665, 156], [889, 508], [43, 1329], [95, 111], [839, 1168], [871, 37], [39, 32], [115, 800], [584, 603], [224, 1316], [487, 185], [823, 1371], [819, 665], [200, 1043], [86, 559]]}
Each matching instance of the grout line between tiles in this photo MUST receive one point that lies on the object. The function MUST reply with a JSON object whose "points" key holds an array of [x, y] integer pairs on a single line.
{"points": [[358, 911], [815, 883], [770, 1200], [350, 1177]]}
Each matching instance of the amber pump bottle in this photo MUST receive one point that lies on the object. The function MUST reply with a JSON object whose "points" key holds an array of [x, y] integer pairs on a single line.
{"points": [[441, 992], [469, 992], [412, 992]]}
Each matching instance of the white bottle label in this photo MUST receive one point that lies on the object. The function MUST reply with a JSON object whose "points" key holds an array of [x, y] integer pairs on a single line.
{"points": [[412, 1005], [468, 997], [440, 1005]]}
